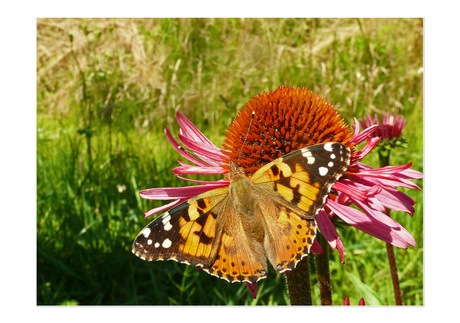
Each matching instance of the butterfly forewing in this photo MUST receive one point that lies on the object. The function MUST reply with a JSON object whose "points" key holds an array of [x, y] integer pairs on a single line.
{"points": [[303, 179], [186, 233]]}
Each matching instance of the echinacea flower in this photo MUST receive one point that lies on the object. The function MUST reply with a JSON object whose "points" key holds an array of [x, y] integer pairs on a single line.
{"points": [[391, 126], [287, 119]]}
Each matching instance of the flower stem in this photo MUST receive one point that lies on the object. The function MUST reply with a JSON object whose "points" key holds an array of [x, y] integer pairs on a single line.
{"points": [[384, 157], [394, 271], [298, 283], [324, 276]]}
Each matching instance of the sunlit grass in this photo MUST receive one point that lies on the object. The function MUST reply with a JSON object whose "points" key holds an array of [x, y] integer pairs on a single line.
{"points": [[106, 88]]}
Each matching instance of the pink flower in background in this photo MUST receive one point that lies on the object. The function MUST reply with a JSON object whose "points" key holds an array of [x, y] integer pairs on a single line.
{"points": [[390, 127], [371, 190]]}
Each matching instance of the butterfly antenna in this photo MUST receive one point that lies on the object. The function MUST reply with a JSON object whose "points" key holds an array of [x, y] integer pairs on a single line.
{"points": [[247, 133]]}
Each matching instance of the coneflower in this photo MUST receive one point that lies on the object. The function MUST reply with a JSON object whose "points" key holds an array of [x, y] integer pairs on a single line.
{"points": [[274, 124]]}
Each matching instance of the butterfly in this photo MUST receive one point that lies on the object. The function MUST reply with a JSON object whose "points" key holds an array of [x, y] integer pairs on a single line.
{"points": [[230, 232]]}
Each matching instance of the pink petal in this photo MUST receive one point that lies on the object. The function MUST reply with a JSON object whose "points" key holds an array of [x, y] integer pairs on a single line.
{"points": [[186, 169], [370, 144], [411, 173], [399, 238], [358, 136], [316, 248], [188, 129], [203, 149], [163, 208], [396, 200], [220, 181], [183, 152], [329, 232], [252, 289], [171, 193], [350, 188]]}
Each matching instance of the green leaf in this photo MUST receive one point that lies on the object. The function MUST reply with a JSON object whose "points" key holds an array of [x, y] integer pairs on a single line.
{"points": [[370, 296]]}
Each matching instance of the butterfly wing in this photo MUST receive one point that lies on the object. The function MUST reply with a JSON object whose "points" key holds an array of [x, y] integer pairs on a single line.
{"points": [[240, 258], [288, 237], [207, 232], [298, 185], [186, 233], [302, 180]]}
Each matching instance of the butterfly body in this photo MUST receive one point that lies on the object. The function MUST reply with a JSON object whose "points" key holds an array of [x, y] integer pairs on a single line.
{"points": [[230, 232]]}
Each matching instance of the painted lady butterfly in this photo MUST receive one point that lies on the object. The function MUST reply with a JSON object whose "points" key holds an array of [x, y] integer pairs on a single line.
{"points": [[230, 232]]}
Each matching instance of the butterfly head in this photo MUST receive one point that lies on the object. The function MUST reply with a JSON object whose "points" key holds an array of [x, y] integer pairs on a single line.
{"points": [[234, 170]]}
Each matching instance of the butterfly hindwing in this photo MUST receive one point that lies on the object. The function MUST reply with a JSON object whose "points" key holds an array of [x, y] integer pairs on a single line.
{"points": [[288, 237], [186, 233], [240, 258]]}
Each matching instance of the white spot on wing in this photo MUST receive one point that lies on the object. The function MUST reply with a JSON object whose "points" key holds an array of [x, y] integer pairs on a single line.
{"points": [[323, 171], [149, 242], [146, 232], [166, 219], [167, 226], [166, 243], [328, 146], [330, 164], [156, 244]]}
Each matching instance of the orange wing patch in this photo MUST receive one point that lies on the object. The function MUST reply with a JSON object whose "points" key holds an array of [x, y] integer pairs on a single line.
{"points": [[235, 265], [185, 234], [289, 238]]}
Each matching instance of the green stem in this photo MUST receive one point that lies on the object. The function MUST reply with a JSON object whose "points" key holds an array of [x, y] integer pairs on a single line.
{"points": [[324, 276], [394, 271], [298, 283], [384, 156]]}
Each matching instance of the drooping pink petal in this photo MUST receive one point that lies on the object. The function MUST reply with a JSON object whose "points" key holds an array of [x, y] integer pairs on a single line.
{"points": [[388, 175], [316, 248], [329, 232], [397, 236], [252, 289], [394, 199]]}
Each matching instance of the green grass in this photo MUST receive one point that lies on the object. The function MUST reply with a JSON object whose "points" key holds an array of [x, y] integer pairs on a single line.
{"points": [[106, 88]]}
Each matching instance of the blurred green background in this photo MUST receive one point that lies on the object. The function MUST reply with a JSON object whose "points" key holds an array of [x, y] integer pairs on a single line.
{"points": [[107, 88]]}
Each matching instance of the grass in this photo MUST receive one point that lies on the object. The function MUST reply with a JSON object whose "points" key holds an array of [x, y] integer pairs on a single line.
{"points": [[106, 88]]}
